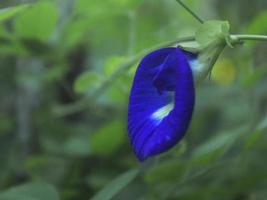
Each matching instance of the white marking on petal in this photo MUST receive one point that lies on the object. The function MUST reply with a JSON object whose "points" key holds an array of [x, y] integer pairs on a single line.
{"points": [[196, 67], [159, 114]]}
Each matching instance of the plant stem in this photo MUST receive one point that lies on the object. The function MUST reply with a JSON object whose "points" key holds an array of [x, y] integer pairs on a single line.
{"points": [[190, 11], [83, 103], [244, 37]]}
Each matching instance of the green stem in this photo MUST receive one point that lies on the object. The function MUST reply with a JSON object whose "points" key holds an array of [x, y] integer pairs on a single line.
{"points": [[83, 103], [244, 37], [190, 11]]}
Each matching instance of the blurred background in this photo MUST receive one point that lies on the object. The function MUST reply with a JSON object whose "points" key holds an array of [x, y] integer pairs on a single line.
{"points": [[66, 68]]}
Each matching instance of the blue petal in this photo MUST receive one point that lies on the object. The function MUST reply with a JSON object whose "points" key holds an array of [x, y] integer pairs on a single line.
{"points": [[161, 101]]}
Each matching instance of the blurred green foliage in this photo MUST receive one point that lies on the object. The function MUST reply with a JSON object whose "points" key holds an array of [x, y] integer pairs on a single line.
{"points": [[66, 68]]}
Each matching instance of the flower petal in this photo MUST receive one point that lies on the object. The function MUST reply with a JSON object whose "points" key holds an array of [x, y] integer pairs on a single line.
{"points": [[161, 101]]}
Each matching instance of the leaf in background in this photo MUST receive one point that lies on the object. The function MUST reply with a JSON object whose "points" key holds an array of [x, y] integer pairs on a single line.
{"points": [[108, 139], [3, 33], [263, 124], [6, 39], [6, 124], [98, 178], [116, 185], [37, 22], [256, 75], [77, 145], [6, 13], [31, 191], [224, 72], [118, 92], [112, 64], [98, 8], [87, 82], [116, 95], [216, 146], [258, 24], [48, 168], [169, 171], [75, 32], [211, 31], [257, 134]]}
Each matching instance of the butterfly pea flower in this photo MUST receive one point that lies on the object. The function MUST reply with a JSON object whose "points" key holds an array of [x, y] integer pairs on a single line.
{"points": [[161, 101]]}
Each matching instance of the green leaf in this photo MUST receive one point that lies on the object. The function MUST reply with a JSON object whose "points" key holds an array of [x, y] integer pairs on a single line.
{"points": [[108, 139], [170, 171], [98, 178], [100, 8], [216, 146], [256, 75], [258, 24], [87, 82], [11, 11], [48, 168], [31, 191], [116, 185], [77, 146], [37, 22], [6, 124], [257, 134], [75, 32], [263, 124], [112, 64], [211, 31]]}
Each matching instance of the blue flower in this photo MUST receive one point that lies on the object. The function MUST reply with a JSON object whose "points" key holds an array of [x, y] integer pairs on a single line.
{"points": [[161, 101]]}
